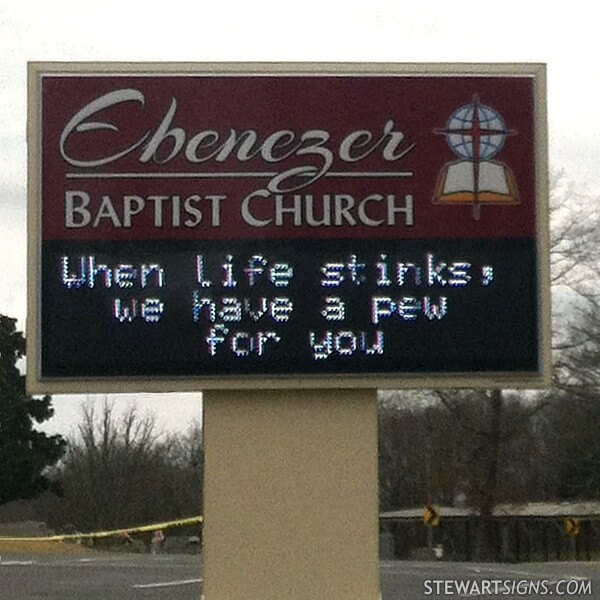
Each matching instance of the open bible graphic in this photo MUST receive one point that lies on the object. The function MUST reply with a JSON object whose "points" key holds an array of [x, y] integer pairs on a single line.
{"points": [[476, 133]]}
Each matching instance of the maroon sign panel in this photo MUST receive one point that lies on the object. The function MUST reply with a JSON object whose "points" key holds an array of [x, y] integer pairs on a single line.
{"points": [[188, 157], [255, 225]]}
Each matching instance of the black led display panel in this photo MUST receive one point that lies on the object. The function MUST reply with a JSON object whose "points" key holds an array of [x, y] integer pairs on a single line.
{"points": [[285, 307]]}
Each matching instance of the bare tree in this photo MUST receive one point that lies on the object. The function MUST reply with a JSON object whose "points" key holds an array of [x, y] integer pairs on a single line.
{"points": [[120, 471]]}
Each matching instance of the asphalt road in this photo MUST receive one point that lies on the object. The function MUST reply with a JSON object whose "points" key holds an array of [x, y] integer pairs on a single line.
{"points": [[178, 577], [100, 577]]}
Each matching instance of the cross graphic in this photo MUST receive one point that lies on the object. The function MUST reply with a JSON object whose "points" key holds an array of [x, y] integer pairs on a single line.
{"points": [[476, 132]]}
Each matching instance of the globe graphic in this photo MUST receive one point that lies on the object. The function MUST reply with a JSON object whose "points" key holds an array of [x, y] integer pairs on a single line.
{"points": [[461, 121]]}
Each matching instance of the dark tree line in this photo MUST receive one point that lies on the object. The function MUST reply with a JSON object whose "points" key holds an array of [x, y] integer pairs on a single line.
{"points": [[461, 448], [25, 452]]}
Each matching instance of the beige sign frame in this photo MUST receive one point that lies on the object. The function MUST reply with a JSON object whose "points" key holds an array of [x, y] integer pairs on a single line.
{"points": [[37, 384]]}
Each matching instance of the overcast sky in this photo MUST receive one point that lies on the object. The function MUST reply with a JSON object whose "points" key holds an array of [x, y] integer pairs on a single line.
{"points": [[563, 35]]}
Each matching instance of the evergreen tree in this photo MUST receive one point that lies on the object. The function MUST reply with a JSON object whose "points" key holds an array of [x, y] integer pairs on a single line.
{"points": [[24, 451]]}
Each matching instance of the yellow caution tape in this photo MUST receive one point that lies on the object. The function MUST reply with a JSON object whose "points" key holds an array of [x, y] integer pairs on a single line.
{"points": [[105, 534]]}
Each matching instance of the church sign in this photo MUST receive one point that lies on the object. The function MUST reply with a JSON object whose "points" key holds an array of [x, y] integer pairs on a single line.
{"points": [[199, 226]]}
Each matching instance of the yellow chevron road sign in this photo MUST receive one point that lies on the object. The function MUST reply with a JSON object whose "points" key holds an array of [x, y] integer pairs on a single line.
{"points": [[572, 526], [431, 515]]}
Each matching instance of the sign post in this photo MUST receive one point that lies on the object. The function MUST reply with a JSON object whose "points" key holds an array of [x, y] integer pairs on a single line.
{"points": [[291, 500], [287, 238]]}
